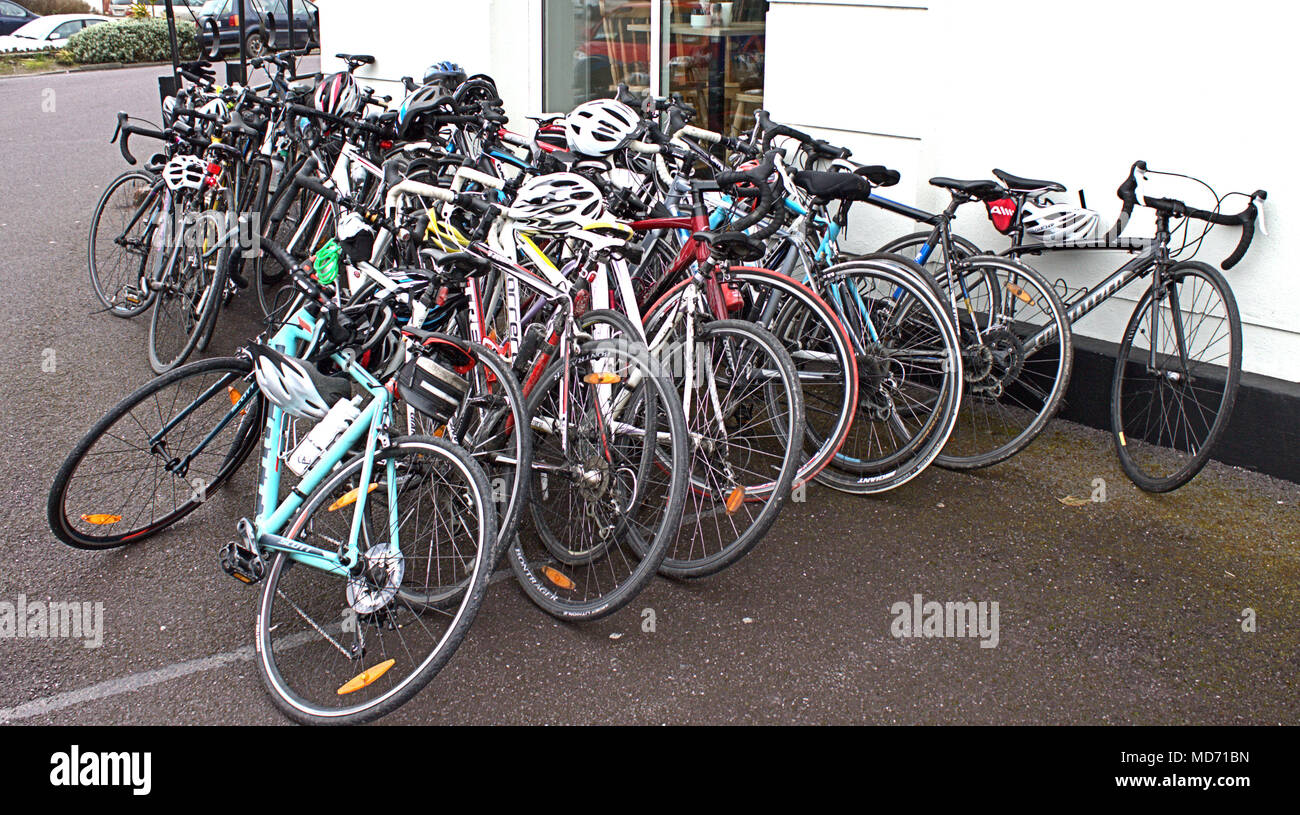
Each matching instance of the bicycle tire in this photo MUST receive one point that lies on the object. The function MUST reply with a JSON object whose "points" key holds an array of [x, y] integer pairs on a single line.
{"points": [[1129, 446]]}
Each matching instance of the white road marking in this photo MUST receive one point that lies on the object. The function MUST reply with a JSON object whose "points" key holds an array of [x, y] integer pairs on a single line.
{"points": [[145, 679], [126, 684]]}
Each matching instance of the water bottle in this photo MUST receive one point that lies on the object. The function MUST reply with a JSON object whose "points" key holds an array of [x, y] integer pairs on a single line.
{"points": [[325, 433]]}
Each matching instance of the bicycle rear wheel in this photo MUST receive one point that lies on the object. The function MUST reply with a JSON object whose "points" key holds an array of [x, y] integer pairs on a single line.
{"points": [[1176, 377], [129, 477], [1010, 391], [346, 650]]}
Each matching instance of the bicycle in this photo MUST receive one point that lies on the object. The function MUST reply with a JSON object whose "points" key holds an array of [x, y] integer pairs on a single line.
{"points": [[373, 565], [1170, 397]]}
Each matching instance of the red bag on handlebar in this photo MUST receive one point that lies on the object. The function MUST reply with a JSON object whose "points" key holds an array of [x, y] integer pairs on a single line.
{"points": [[1002, 213]]}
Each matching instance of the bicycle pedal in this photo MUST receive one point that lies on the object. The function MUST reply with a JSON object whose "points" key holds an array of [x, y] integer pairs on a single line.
{"points": [[245, 566], [240, 559]]}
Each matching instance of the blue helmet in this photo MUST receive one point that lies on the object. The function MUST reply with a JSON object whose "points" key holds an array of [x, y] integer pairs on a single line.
{"points": [[446, 73]]}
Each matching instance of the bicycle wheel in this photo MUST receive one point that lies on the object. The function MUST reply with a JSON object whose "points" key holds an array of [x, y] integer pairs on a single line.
{"points": [[488, 427], [932, 260], [298, 221], [145, 465], [121, 242], [909, 369], [822, 353], [745, 416], [1176, 377], [191, 286], [346, 650], [609, 482], [1011, 389]]}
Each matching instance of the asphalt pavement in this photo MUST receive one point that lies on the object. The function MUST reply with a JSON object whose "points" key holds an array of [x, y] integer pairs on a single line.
{"points": [[1135, 609]]}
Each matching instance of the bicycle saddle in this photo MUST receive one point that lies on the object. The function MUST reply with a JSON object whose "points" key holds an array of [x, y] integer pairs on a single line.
{"points": [[981, 188], [834, 186], [1020, 184], [356, 60], [465, 263], [733, 246]]}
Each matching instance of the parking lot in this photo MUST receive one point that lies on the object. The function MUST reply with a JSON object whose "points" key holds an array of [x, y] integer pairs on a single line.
{"points": [[1131, 609]]}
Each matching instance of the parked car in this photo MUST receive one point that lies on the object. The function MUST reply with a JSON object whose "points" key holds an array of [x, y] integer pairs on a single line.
{"points": [[261, 17], [51, 31], [187, 10], [13, 17]]}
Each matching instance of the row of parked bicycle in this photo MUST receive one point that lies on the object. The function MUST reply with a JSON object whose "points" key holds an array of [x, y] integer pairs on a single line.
{"points": [[605, 350]]}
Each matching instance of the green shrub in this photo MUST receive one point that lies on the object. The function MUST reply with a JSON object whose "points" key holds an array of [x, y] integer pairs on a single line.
{"points": [[44, 7], [131, 41]]}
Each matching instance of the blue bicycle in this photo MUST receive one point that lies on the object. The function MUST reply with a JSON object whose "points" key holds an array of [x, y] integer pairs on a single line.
{"points": [[373, 551]]}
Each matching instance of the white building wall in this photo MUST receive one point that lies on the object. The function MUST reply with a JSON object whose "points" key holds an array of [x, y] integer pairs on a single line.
{"points": [[1074, 92]]}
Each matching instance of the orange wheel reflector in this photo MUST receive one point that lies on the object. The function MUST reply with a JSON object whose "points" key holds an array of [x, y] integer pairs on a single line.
{"points": [[735, 499], [599, 378], [366, 677], [558, 578], [235, 396], [1019, 292], [350, 497], [441, 431], [101, 520]]}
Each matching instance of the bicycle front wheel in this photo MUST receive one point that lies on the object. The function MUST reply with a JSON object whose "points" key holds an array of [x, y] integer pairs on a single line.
{"points": [[1176, 377], [158, 455], [346, 650], [190, 288], [121, 242], [910, 372], [746, 421], [609, 478]]}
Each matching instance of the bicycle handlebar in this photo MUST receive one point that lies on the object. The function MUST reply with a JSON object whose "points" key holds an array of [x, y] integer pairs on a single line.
{"points": [[758, 179], [1174, 208], [818, 147], [124, 132]]}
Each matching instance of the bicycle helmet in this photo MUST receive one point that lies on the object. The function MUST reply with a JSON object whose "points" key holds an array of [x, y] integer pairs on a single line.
{"points": [[446, 74], [550, 136], [185, 173], [291, 386], [338, 95], [1058, 223], [411, 115], [601, 126], [557, 203]]}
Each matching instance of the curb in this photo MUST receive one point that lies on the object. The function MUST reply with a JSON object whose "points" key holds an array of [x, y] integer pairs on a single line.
{"points": [[80, 69]]}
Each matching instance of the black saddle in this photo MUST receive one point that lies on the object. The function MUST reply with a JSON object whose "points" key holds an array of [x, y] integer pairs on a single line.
{"points": [[834, 186], [1020, 184], [467, 264], [981, 188], [356, 60], [734, 246]]}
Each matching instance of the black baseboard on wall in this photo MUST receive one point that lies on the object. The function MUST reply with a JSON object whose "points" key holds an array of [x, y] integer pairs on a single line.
{"points": [[1263, 433]]}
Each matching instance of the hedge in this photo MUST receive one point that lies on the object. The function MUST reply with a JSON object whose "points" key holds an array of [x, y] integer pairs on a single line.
{"points": [[131, 41], [44, 7]]}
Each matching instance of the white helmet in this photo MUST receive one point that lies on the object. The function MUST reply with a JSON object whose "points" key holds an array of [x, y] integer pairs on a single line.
{"points": [[185, 173], [288, 384], [598, 127], [558, 203], [1058, 223]]}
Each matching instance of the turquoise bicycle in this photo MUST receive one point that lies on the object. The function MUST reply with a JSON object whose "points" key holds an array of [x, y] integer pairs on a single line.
{"points": [[374, 552]]}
